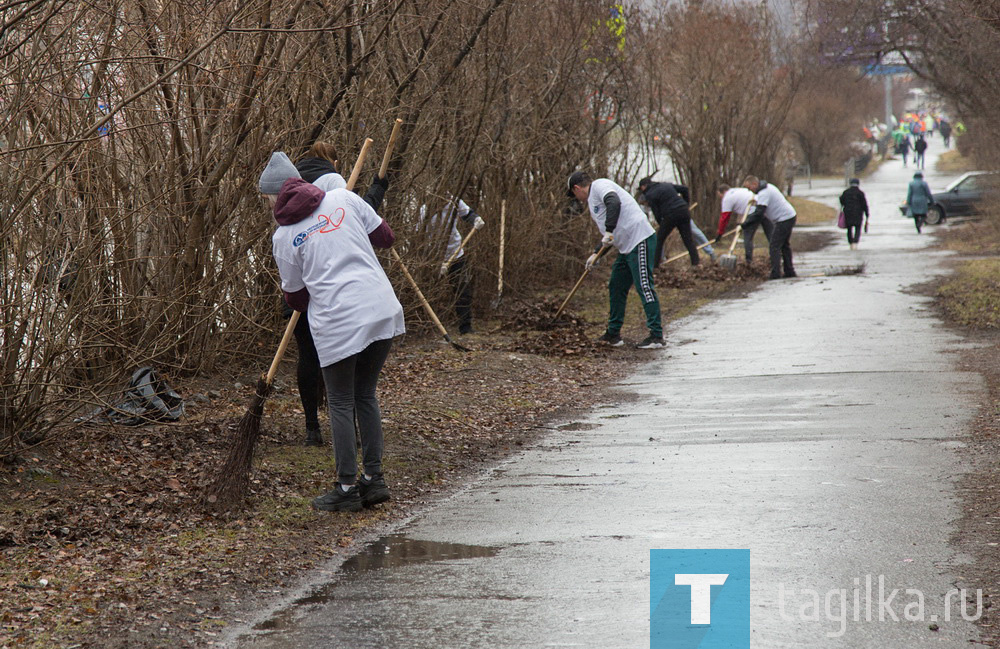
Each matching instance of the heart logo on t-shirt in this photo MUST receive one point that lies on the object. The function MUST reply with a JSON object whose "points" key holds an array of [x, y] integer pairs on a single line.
{"points": [[330, 224]]}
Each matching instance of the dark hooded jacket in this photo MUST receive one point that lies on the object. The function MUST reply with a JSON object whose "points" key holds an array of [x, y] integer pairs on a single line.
{"points": [[664, 198], [854, 204]]}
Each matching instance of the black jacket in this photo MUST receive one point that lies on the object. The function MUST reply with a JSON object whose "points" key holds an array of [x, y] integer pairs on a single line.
{"points": [[664, 198], [854, 204]]}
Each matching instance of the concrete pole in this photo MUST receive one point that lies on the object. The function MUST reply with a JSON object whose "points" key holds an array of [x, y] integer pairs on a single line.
{"points": [[888, 99]]}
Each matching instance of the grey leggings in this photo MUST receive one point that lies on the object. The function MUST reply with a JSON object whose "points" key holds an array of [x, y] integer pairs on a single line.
{"points": [[350, 389]]}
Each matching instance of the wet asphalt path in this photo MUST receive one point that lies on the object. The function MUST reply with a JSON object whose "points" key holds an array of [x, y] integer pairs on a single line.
{"points": [[814, 421]]}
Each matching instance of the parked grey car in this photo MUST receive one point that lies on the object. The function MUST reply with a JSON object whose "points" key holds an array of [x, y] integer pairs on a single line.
{"points": [[963, 196]]}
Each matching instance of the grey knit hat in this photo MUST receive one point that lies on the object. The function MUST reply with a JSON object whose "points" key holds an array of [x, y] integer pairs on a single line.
{"points": [[279, 169]]}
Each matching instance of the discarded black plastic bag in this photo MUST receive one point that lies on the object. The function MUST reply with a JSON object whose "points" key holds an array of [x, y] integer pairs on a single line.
{"points": [[147, 398]]}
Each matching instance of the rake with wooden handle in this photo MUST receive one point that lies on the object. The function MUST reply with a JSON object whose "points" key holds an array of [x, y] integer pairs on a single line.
{"points": [[682, 255], [231, 484], [399, 260], [600, 253], [454, 255], [424, 303]]}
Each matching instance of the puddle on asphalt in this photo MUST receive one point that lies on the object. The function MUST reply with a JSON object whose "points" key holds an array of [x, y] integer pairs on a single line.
{"points": [[578, 425], [399, 550], [390, 551]]}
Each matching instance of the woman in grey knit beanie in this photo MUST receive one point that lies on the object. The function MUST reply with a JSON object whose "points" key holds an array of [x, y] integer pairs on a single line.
{"points": [[279, 169]]}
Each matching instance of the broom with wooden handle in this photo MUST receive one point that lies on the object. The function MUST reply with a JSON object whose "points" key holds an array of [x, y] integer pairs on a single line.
{"points": [[233, 482]]}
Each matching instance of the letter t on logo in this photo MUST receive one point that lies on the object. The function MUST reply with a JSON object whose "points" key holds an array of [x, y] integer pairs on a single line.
{"points": [[701, 594]]}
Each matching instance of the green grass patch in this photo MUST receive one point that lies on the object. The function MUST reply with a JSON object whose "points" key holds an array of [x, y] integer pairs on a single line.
{"points": [[972, 296], [811, 213]]}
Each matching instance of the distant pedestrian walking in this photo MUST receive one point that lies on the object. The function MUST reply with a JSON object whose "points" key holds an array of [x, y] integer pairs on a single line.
{"points": [[918, 199], [855, 207], [904, 148], [945, 129], [919, 147]]}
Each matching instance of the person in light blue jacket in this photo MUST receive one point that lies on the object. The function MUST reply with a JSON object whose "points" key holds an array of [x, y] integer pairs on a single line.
{"points": [[918, 199]]}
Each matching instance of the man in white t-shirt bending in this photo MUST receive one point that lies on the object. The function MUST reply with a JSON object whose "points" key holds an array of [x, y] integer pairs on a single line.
{"points": [[772, 205], [624, 225], [734, 204]]}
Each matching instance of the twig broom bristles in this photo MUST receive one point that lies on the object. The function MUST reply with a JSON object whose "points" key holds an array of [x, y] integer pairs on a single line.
{"points": [[231, 485]]}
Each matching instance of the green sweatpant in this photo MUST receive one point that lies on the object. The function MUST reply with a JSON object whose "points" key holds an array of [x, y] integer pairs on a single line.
{"points": [[636, 267]]}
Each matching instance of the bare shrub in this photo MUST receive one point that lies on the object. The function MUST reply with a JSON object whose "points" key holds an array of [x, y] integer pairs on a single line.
{"points": [[717, 86], [133, 136]]}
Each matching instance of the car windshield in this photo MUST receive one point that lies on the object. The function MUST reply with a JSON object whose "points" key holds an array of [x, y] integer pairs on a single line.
{"points": [[974, 182]]}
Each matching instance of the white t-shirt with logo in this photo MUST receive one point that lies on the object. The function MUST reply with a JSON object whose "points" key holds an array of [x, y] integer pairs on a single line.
{"points": [[778, 207], [633, 227], [351, 302], [735, 200], [442, 220]]}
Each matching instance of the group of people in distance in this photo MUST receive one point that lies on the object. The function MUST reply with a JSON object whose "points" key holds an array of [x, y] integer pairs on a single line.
{"points": [[624, 226], [324, 247]]}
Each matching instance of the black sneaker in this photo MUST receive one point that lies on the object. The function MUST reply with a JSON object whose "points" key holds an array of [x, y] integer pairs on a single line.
{"points": [[651, 342], [313, 437], [614, 340], [466, 329], [373, 491], [337, 500]]}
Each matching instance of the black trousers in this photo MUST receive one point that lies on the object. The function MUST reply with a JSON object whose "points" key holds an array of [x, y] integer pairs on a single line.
{"points": [[461, 284], [749, 230], [680, 219], [307, 373], [781, 249], [853, 232]]}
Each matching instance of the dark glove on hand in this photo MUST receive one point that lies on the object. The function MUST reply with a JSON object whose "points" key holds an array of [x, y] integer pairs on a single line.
{"points": [[376, 193], [718, 238]]}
